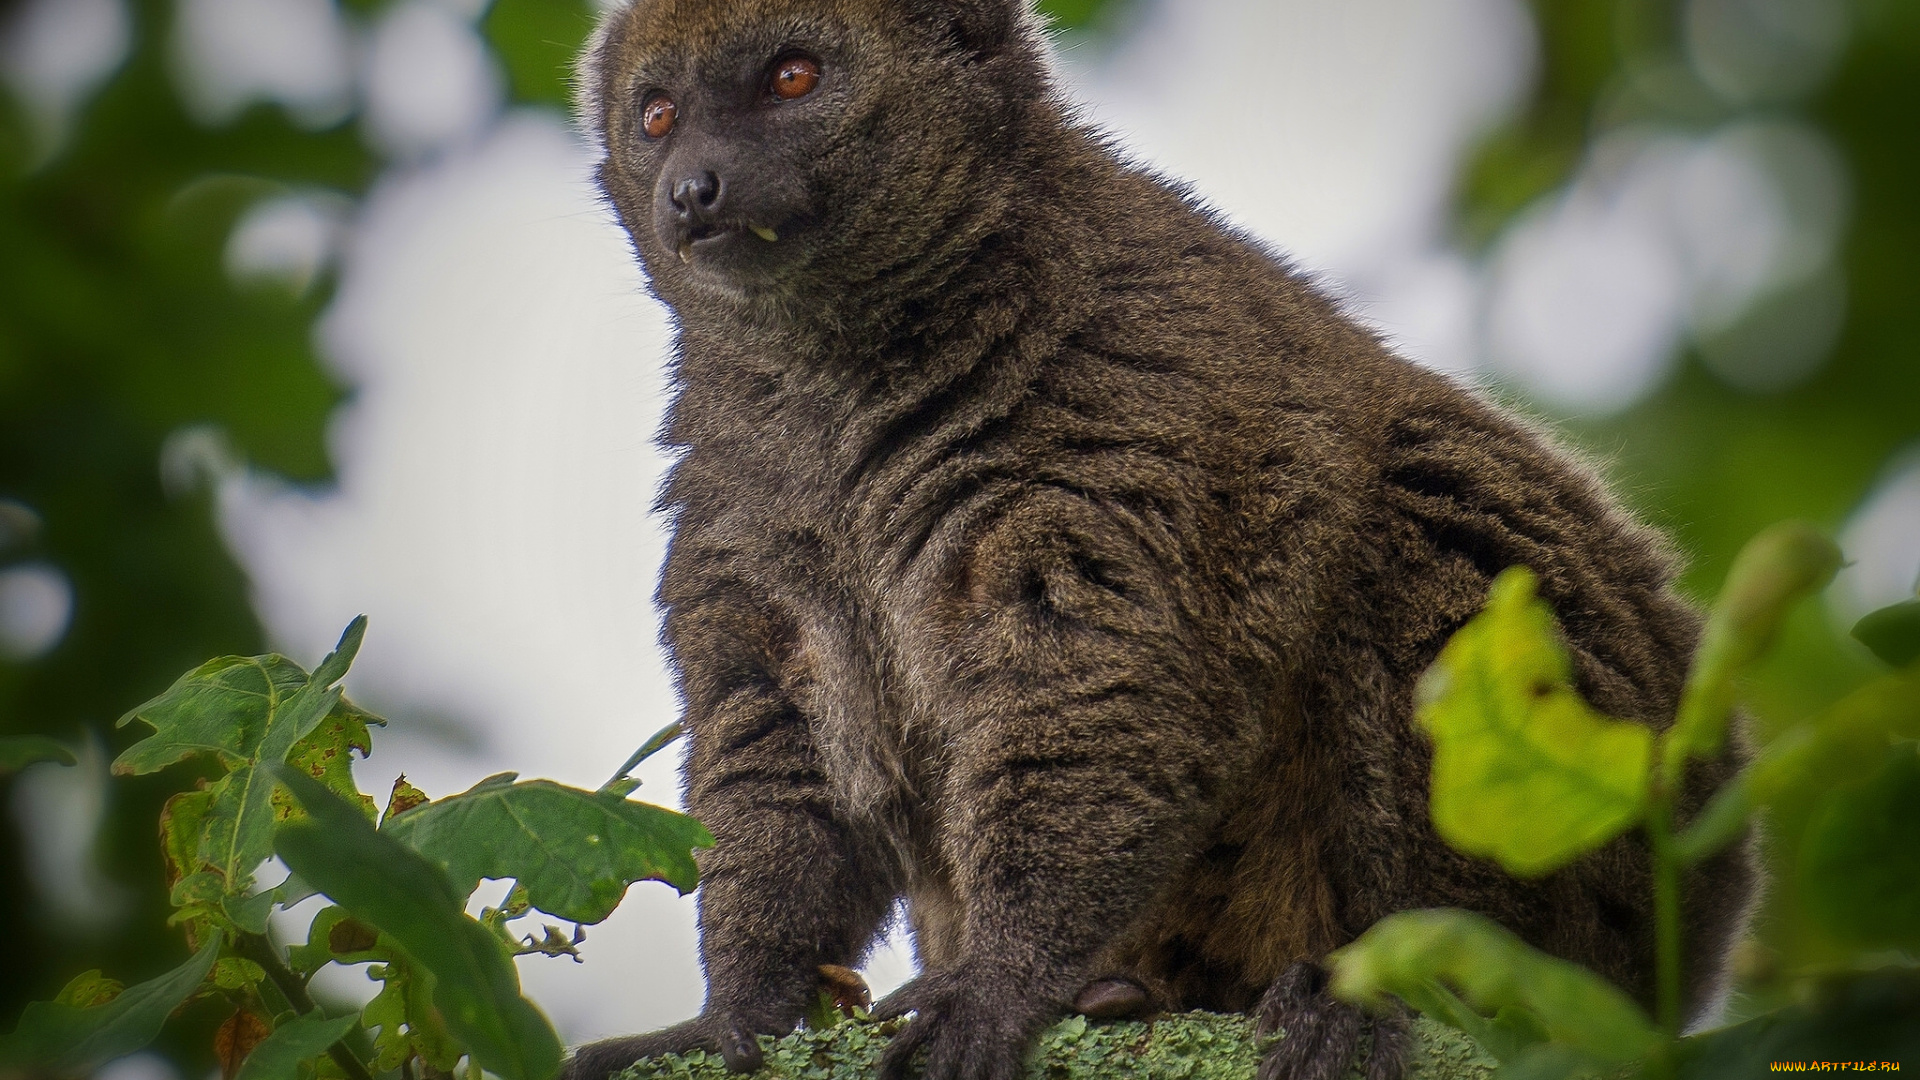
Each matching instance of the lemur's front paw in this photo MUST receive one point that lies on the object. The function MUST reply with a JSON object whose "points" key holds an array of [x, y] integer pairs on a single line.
{"points": [[730, 1036], [971, 1027], [1322, 1035]]}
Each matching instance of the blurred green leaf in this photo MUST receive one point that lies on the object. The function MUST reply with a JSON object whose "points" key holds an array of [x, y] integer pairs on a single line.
{"points": [[20, 751], [390, 887], [64, 1039], [279, 1055], [538, 40], [1860, 862], [1809, 759], [1524, 771], [1781, 566], [1893, 633], [88, 989], [1427, 955], [575, 851]]}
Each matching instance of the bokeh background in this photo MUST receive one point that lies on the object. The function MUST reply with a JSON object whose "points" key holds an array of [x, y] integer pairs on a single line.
{"points": [[308, 308]]}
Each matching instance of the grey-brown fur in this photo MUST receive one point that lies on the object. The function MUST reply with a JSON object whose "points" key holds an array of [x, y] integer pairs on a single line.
{"points": [[1051, 555]]}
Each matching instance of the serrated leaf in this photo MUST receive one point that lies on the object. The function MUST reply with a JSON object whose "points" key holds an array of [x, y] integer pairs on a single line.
{"points": [[1408, 953], [219, 708], [574, 851], [19, 751], [279, 1055], [403, 1015], [1893, 633], [318, 952], [182, 822], [387, 885], [238, 834], [63, 1039], [1860, 857], [1524, 770], [326, 754]]}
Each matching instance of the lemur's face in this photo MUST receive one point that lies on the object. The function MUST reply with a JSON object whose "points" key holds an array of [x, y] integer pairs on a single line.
{"points": [[757, 145]]}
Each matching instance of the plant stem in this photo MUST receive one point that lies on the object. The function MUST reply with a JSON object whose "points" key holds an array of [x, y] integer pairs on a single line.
{"points": [[1666, 914], [261, 951]]}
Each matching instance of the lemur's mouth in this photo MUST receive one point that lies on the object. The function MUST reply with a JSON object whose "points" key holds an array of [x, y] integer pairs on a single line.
{"points": [[705, 232]]}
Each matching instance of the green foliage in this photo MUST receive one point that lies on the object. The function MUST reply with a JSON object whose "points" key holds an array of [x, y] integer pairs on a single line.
{"points": [[1780, 567], [1524, 771], [1860, 865], [1426, 957], [23, 750], [575, 852], [1518, 760], [66, 1036], [280, 1055], [386, 884], [282, 740], [120, 327]]}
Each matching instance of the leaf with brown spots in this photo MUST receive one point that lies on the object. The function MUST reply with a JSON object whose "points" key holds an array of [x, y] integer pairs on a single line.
{"points": [[403, 798], [236, 1039]]}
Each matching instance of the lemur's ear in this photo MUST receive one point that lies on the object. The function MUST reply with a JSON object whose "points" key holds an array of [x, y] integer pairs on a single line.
{"points": [[977, 28]]}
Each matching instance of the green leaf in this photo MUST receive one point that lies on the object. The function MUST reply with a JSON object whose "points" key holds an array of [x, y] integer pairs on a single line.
{"points": [[1410, 953], [279, 1055], [19, 751], [87, 989], [334, 665], [1784, 564], [322, 947], [61, 1038], [326, 754], [1860, 858], [1814, 756], [387, 885], [182, 823], [404, 1015], [235, 973], [1524, 770], [219, 708], [575, 851], [1893, 633], [249, 913], [238, 834]]}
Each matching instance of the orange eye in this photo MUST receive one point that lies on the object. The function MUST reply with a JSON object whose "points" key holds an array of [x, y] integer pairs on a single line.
{"points": [[657, 114], [795, 77]]}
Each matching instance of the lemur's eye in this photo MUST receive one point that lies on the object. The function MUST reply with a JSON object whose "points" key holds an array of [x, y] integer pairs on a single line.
{"points": [[794, 77], [657, 114]]}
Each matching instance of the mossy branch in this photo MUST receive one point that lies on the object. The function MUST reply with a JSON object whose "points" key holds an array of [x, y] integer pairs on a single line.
{"points": [[1182, 1046]]}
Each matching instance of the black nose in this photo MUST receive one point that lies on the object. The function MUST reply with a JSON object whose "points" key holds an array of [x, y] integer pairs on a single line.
{"points": [[698, 197]]}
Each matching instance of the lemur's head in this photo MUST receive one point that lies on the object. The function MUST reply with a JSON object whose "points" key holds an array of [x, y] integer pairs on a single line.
{"points": [[788, 147]]}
